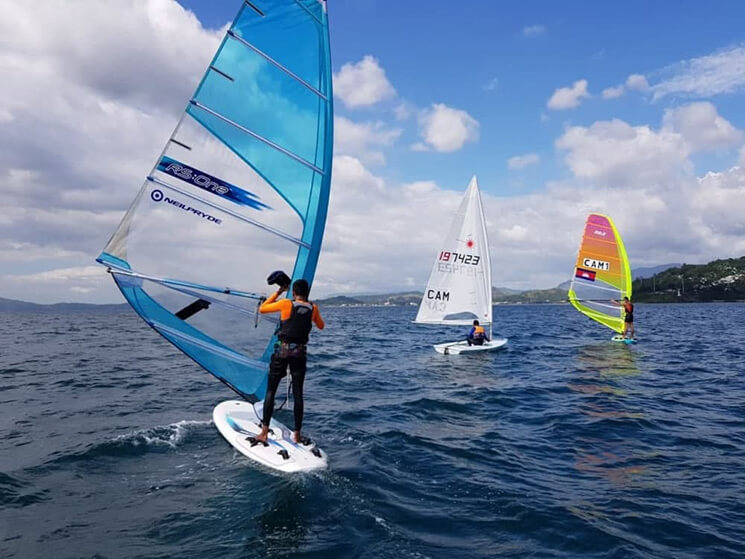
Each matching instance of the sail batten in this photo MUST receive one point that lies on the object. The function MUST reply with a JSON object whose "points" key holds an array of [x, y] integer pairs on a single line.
{"points": [[254, 8], [277, 64], [299, 3], [601, 274], [257, 136], [251, 159]]}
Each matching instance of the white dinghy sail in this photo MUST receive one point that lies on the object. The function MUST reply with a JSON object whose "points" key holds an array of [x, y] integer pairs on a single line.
{"points": [[459, 286], [240, 189]]}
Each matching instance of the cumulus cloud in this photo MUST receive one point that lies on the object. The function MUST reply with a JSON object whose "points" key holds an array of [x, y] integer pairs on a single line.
{"points": [[521, 161], [717, 206], [637, 82], [71, 161], [82, 280], [702, 126], [362, 138], [568, 97], [613, 92], [375, 242], [362, 84], [704, 76], [534, 30], [446, 129], [614, 153], [403, 110], [373, 239]]}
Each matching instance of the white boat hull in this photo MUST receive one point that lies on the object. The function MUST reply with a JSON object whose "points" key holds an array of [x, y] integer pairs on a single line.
{"points": [[456, 348], [238, 422]]}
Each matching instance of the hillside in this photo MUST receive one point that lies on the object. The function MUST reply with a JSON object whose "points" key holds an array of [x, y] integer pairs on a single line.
{"points": [[650, 271], [499, 295], [553, 295], [720, 280], [12, 305]]}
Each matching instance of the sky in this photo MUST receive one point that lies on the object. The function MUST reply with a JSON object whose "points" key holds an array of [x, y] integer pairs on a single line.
{"points": [[560, 109]]}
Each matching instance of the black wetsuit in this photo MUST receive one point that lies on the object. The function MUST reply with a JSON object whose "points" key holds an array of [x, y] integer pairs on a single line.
{"points": [[290, 352]]}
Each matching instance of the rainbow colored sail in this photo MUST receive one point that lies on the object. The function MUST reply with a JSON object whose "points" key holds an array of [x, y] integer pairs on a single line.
{"points": [[602, 273]]}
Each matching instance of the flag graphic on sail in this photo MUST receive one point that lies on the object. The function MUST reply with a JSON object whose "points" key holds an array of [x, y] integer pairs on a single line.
{"points": [[459, 286], [240, 189], [601, 273]]}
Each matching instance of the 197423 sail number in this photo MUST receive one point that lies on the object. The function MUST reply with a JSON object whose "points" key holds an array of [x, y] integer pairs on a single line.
{"points": [[459, 258]]}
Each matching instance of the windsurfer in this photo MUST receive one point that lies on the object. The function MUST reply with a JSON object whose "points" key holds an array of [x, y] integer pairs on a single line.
{"points": [[628, 319], [297, 317], [477, 335]]}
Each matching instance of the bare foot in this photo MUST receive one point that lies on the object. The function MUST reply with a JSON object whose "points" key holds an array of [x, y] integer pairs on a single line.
{"points": [[263, 435], [296, 437]]}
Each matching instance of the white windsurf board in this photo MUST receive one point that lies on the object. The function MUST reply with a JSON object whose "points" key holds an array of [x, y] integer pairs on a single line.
{"points": [[238, 422]]}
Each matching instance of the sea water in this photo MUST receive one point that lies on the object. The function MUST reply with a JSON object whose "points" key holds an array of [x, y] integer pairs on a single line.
{"points": [[562, 445]]}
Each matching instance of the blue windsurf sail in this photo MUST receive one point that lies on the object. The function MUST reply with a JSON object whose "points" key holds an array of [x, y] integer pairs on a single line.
{"points": [[240, 189]]}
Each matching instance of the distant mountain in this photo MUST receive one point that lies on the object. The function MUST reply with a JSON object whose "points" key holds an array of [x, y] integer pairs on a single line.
{"points": [[719, 280], [12, 305], [384, 299], [650, 271], [340, 301], [399, 299], [553, 295], [497, 292]]}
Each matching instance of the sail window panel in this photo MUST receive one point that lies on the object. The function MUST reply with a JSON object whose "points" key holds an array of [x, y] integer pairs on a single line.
{"points": [[265, 100], [595, 299], [287, 32], [256, 198], [461, 317], [233, 324], [245, 374], [601, 292], [175, 237], [291, 179]]}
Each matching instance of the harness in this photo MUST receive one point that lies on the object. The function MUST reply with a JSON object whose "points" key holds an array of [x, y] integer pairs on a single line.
{"points": [[296, 329]]}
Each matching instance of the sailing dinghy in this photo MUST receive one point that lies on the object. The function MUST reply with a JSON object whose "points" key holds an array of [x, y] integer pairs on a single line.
{"points": [[459, 287], [240, 189], [602, 275]]}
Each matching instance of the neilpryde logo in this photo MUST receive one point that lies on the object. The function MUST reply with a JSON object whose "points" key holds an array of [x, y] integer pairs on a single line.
{"points": [[210, 184], [158, 196]]}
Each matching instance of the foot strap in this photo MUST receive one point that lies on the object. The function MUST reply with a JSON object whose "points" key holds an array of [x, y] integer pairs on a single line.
{"points": [[254, 441]]}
